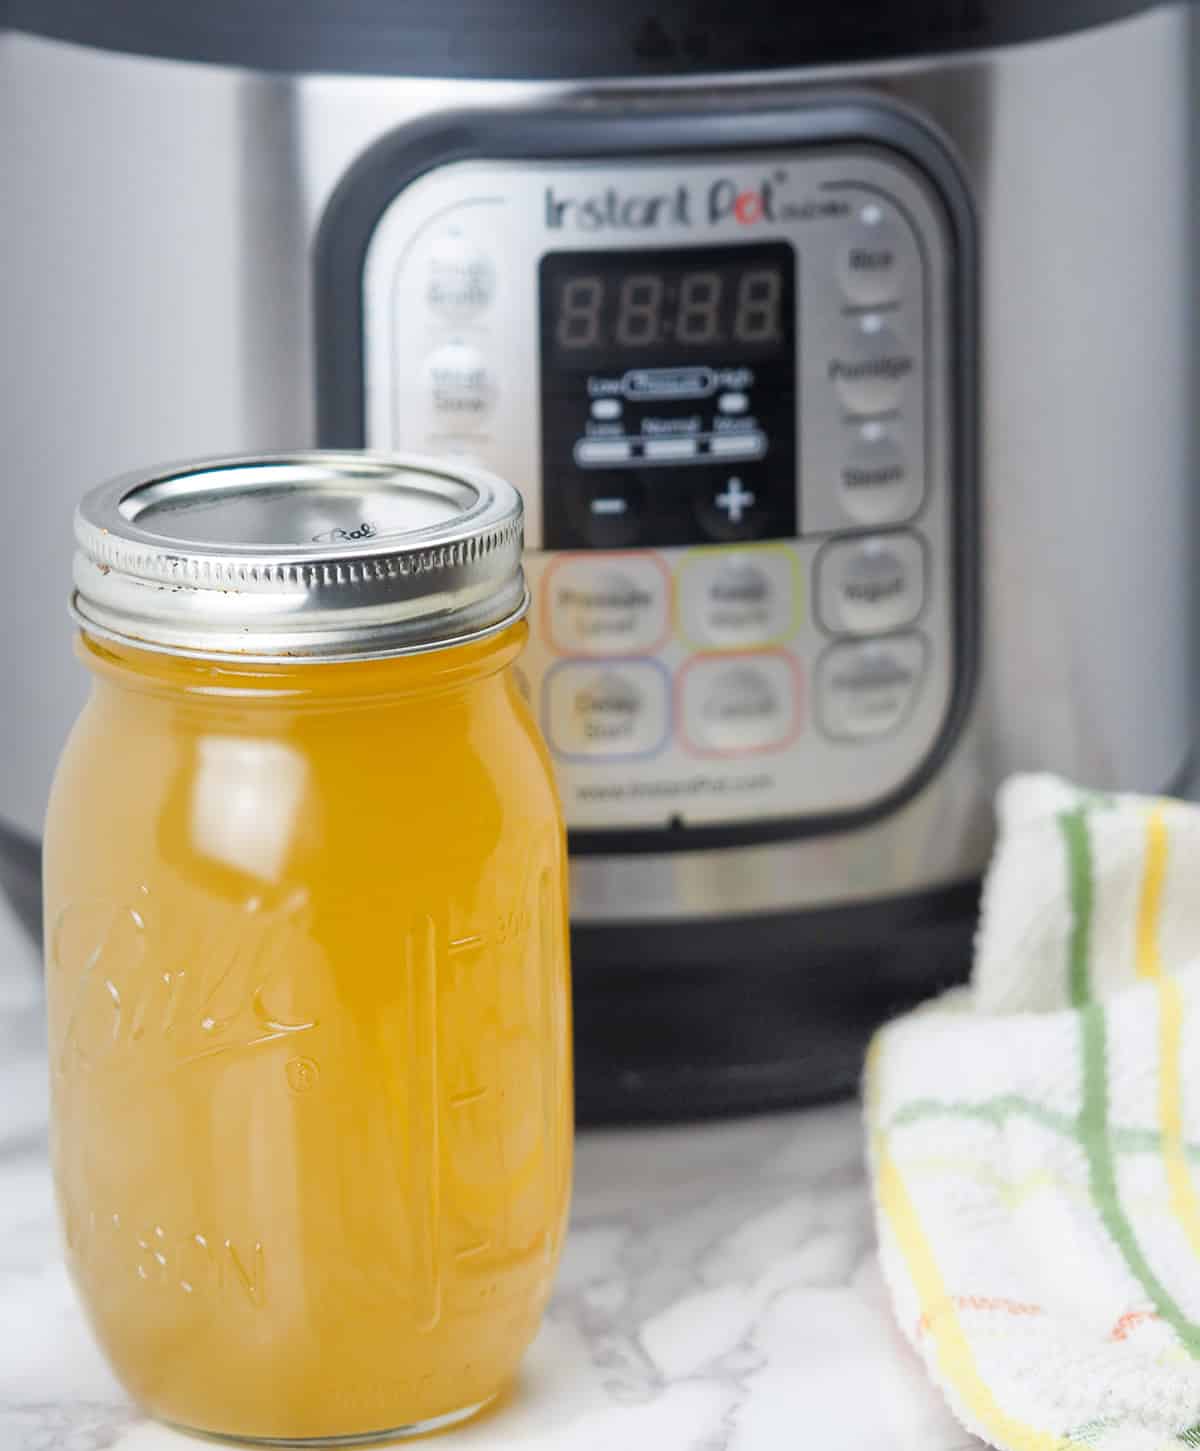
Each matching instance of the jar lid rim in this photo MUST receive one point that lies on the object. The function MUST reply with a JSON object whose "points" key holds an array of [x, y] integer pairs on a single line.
{"points": [[317, 555]]}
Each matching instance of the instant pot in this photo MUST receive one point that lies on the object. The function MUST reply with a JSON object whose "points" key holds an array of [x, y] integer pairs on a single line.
{"points": [[844, 358]]}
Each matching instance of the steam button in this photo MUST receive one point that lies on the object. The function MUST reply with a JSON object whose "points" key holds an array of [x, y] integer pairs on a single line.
{"points": [[878, 486]]}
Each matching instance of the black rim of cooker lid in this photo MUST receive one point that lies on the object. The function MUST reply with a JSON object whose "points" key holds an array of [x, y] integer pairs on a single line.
{"points": [[552, 39]]}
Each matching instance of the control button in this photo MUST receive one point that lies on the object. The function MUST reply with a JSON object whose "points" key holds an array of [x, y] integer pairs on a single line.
{"points": [[871, 262], [869, 373], [462, 279], [607, 510], [730, 504], [606, 605], [738, 445], [460, 385], [601, 712], [742, 706], [865, 689], [602, 452], [662, 449], [733, 402], [869, 586], [877, 487], [739, 599], [606, 408]]}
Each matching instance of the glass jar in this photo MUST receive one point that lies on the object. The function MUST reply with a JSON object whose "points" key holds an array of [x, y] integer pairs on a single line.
{"points": [[306, 936]]}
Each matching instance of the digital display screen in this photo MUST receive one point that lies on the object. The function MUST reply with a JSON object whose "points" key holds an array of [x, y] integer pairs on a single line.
{"points": [[654, 305]]}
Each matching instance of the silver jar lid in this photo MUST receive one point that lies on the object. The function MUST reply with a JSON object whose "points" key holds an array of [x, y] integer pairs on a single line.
{"points": [[314, 556]]}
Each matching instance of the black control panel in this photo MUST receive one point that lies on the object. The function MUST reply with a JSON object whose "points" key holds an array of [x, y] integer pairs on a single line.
{"points": [[668, 391]]}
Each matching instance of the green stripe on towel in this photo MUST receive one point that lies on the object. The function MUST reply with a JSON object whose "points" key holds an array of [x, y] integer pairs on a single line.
{"points": [[1093, 1119]]}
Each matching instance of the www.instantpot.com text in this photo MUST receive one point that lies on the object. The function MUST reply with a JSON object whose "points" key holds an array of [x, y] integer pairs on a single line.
{"points": [[699, 785]]}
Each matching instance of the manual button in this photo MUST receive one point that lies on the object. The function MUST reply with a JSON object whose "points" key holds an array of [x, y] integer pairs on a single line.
{"points": [[865, 689], [596, 712], [870, 586]]}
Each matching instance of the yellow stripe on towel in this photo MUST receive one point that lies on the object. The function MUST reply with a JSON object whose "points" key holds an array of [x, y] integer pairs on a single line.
{"points": [[938, 1310], [1185, 1204]]}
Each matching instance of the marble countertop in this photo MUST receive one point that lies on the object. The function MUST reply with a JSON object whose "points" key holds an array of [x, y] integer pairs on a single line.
{"points": [[719, 1292]]}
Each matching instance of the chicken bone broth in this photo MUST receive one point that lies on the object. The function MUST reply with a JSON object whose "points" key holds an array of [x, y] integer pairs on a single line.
{"points": [[309, 1008]]}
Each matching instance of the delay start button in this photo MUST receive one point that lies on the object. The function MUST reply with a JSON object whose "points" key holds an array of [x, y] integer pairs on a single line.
{"points": [[615, 604], [604, 712], [866, 689]]}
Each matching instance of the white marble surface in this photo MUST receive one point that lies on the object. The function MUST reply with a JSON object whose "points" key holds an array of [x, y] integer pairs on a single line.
{"points": [[719, 1292]]}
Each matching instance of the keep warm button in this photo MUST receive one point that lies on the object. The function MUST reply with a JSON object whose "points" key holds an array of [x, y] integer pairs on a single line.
{"points": [[865, 689], [604, 712]]}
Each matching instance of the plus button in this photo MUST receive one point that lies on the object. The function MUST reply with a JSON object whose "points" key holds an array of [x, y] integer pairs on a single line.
{"points": [[734, 500]]}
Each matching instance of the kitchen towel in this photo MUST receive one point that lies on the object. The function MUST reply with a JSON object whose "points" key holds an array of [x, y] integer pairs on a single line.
{"points": [[1035, 1136]]}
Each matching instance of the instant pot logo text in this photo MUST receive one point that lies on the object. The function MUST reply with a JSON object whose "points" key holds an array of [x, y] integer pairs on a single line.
{"points": [[681, 206]]}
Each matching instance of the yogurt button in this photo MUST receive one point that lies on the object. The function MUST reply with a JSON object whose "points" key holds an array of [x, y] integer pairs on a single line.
{"points": [[872, 585]]}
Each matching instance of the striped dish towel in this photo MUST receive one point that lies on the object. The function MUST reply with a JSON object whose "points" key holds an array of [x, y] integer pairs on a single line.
{"points": [[1035, 1137]]}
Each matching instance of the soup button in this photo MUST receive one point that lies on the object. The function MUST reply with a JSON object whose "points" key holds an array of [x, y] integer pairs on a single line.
{"points": [[602, 712], [738, 598], [734, 707]]}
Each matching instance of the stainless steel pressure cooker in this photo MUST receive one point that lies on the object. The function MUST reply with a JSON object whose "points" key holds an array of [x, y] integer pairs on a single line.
{"points": [[844, 358]]}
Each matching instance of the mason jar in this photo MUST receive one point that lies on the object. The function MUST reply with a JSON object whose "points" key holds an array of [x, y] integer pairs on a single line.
{"points": [[306, 933]]}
